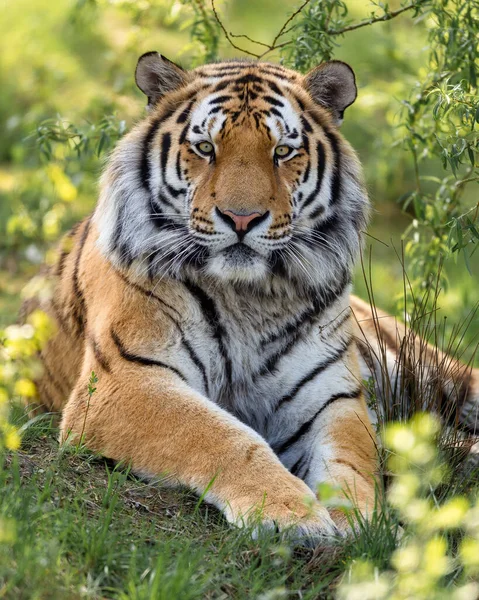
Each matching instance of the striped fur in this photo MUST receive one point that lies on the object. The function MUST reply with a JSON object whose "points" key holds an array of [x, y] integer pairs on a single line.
{"points": [[226, 359]]}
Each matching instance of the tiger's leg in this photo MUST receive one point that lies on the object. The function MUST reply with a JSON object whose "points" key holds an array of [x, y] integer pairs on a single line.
{"points": [[149, 416], [342, 451]]}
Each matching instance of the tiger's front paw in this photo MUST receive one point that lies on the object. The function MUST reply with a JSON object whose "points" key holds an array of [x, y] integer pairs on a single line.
{"points": [[295, 512]]}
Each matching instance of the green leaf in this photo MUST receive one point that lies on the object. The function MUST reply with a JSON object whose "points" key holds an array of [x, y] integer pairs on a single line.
{"points": [[472, 158], [466, 260]]}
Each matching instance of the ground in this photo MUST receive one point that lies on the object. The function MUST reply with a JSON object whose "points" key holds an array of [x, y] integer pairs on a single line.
{"points": [[88, 528]]}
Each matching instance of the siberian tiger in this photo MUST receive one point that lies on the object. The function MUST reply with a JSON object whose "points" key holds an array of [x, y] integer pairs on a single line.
{"points": [[210, 293]]}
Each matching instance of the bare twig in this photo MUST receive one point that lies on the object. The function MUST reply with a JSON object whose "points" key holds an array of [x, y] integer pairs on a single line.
{"points": [[242, 35], [220, 23], [277, 47], [282, 30]]}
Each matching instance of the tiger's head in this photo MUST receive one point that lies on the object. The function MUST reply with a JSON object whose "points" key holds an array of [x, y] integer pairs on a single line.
{"points": [[238, 173]]}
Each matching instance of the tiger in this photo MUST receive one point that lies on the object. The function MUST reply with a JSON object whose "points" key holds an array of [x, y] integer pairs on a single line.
{"points": [[210, 293]]}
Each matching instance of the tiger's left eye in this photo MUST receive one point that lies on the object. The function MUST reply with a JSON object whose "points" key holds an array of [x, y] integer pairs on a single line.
{"points": [[205, 148], [282, 151]]}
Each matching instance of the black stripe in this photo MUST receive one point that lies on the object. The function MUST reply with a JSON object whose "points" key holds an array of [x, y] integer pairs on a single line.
{"points": [[165, 148], [337, 322], [315, 372], [184, 114], [189, 349], [220, 99], [289, 328], [327, 226], [100, 357], [184, 131], [164, 152], [163, 199], [142, 360], [248, 78], [306, 427], [80, 310], [297, 465], [321, 163], [275, 112], [277, 74], [319, 210], [59, 317], [305, 143], [306, 172], [271, 364], [229, 74], [179, 174], [225, 67], [221, 86], [273, 87], [65, 252], [119, 227], [159, 220], [61, 263], [306, 124], [149, 294], [299, 102], [145, 163], [211, 316], [336, 185], [273, 101], [195, 359], [320, 304], [317, 119]]}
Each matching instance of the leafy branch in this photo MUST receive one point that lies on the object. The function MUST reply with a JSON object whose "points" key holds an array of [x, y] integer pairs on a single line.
{"points": [[90, 138], [330, 31]]}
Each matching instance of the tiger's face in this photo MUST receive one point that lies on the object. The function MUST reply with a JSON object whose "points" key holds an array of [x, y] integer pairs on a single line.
{"points": [[244, 165], [239, 173]]}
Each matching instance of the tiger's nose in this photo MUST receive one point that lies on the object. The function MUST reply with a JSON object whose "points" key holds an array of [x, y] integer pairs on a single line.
{"points": [[239, 223]]}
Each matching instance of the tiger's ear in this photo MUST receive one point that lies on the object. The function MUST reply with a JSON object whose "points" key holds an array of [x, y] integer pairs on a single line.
{"points": [[333, 85], [155, 75]]}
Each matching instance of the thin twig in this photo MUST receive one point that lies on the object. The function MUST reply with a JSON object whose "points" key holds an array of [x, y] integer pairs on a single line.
{"points": [[220, 23], [242, 35], [281, 31], [277, 47]]}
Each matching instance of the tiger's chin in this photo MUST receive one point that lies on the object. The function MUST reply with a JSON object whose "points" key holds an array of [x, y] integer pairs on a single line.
{"points": [[238, 263]]}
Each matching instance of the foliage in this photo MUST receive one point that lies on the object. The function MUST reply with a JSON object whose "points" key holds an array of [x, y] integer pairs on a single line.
{"points": [[429, 562], [19, 368], [204, 32]]}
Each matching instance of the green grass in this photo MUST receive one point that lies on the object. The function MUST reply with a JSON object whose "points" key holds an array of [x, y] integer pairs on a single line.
{"points": [[85, 528]]}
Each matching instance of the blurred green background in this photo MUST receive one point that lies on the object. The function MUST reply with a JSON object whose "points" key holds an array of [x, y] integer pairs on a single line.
{"points": [[73, 62]]}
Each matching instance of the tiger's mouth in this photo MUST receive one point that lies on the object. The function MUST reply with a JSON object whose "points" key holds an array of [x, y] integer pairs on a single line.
{"points": [[240, 253], [238, 262]]}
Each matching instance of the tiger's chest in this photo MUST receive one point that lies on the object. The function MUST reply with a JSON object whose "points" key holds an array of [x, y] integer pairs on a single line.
{"points": [[267, 361]]}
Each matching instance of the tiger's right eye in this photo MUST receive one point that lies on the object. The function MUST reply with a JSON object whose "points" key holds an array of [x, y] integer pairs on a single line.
{"points": [[205, 148], [283, 151]]}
